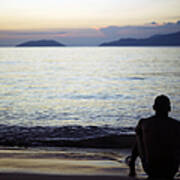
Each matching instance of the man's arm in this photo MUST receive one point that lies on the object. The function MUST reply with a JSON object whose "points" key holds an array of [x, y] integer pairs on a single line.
{"points": [[178, 142], [134, 155], [135, 151]]}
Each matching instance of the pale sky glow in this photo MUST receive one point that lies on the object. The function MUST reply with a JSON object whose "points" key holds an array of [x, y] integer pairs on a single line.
{"points": [[84, 18], [35, 14]]}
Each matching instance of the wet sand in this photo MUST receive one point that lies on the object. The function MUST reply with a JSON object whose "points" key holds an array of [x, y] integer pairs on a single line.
{"points": [[64, 161]]}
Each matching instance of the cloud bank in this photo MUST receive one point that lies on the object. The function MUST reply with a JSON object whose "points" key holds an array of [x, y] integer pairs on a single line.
{"points": [[89, 36]]}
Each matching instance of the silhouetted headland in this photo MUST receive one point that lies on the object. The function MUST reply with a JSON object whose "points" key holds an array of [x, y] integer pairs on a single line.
{"points": [[156, 40], [40, 43]]}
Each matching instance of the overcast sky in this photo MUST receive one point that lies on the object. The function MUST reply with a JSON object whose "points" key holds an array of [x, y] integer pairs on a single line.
{"points": [[83, 22]]}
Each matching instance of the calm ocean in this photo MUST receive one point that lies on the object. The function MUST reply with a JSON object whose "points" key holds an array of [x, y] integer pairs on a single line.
{"points": [[85, 87]]}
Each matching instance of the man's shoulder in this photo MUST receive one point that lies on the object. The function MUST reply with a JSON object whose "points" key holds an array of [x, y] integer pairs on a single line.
{"points": [[174, 121], [144, 122], [153, 120], [148, 119]]}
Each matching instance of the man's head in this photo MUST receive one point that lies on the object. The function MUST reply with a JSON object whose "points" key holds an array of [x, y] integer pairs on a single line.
{"points": [[162, 104]]}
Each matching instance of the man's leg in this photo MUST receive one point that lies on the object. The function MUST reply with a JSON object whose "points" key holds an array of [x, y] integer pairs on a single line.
{"points": [[130, 160], [161, 169]]}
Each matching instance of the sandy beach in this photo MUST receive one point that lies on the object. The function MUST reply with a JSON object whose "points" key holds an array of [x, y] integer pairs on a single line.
{"points": [[65, 164]]}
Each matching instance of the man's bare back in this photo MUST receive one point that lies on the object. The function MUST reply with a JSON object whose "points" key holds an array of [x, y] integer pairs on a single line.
{"points": [[157, 142]]}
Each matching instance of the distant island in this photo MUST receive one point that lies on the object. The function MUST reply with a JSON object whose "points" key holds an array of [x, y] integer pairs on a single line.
{"points": [[156, 40], [40, 43]]}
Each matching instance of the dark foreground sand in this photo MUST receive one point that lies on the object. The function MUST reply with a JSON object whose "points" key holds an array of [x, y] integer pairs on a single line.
{"points": [[25, 176]]}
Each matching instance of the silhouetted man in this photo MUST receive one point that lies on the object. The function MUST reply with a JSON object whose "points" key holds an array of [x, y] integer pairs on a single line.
{"points": [[157, 142]]}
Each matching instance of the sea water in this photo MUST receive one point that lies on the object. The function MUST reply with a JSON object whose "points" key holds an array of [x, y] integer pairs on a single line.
{"points": [[107, 88]]}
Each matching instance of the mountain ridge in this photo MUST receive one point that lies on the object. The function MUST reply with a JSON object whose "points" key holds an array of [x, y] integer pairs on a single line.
{"points": [[40, 43], [172, 39]]}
